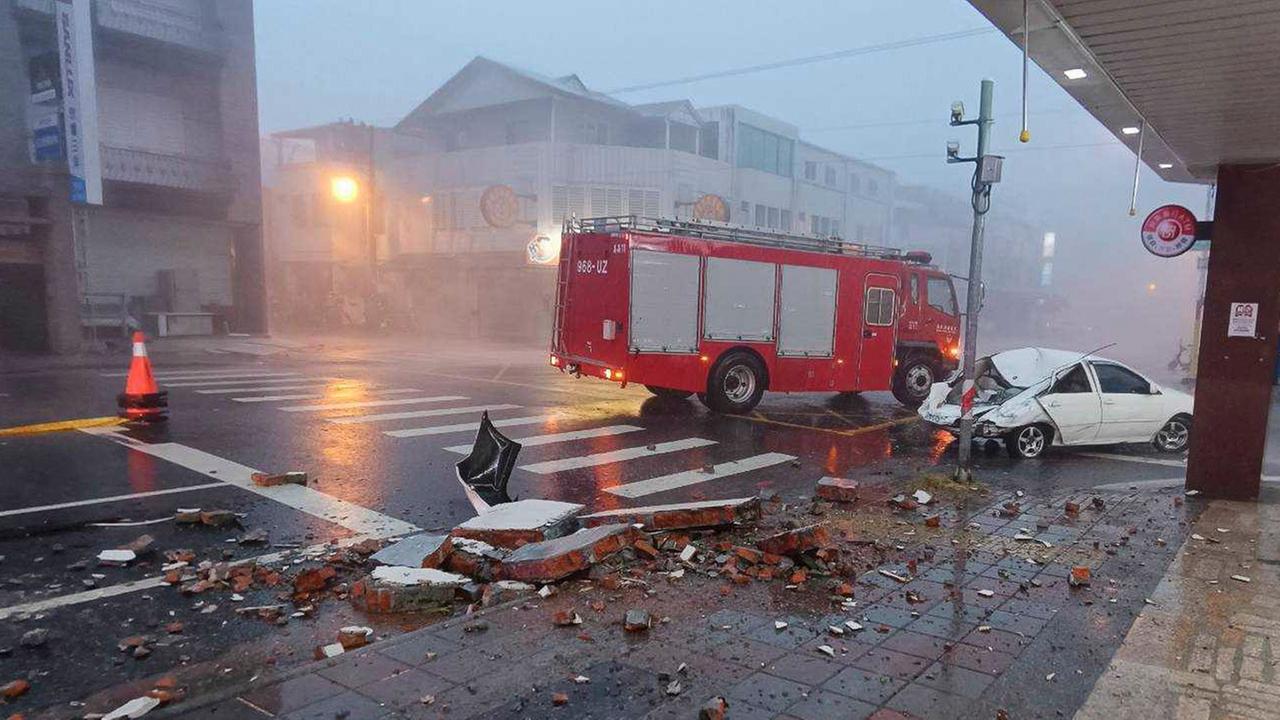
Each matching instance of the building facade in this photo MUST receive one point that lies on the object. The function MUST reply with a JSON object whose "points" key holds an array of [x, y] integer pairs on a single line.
{"points": [[178, 230], [475, 187]]}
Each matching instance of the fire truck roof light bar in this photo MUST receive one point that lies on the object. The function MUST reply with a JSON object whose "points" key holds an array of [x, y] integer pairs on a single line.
{"points": [[733, 233]]}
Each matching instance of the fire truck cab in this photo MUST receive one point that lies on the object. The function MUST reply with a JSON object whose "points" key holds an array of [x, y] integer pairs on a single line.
{"points": [[727, 312]]}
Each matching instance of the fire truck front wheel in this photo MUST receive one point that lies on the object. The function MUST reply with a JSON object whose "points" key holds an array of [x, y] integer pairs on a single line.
{"points": [[913, 379], [735, 384], [668, 393]]}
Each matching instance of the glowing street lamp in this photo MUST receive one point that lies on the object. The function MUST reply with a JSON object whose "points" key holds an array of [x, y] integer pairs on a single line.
{"points": [[344, 189]]}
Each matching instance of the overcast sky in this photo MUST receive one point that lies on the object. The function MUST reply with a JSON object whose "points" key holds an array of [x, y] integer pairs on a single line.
{"points": [[319, 60]]}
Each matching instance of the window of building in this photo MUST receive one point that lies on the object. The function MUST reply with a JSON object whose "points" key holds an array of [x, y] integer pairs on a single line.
{"points": [[824, 226], [835, 227], [873, 188], [830, 178], [773, 217], [810, 170], [813, 224], [764, 150], [879, 306], [942, 296], [786, 220], [746, 211], [1118, 380], [762, 215], [519, 131], [1074, 381], [711, 140]]}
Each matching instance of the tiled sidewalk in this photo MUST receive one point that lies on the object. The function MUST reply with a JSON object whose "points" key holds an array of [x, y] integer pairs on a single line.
{"points": [[1210, 646], [990, 631]]}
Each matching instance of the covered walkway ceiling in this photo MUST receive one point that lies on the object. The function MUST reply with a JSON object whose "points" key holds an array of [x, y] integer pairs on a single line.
{"points": [[1204, 74]]}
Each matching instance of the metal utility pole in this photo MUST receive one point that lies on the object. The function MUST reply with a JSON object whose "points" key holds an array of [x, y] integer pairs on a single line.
{"points": [[985, 174]]}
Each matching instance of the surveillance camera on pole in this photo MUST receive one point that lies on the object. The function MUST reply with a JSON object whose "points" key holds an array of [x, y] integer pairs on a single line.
{"points": [[986, 172]]}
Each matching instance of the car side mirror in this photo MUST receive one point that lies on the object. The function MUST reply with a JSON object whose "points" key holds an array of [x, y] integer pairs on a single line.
{"points": [[1153, 389]]}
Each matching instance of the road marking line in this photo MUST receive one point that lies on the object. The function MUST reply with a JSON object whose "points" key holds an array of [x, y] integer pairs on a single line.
{"points": [[217, 371], [272, 382], [163, 377], [853, 432], [613, 456], [151, 583], [536, 440], [693, 477], [60, 425], [315, 396], [275, 388], [371, 403], [464, 427], [1133, 458], [109, 499], [361, 419], [355, 518]]}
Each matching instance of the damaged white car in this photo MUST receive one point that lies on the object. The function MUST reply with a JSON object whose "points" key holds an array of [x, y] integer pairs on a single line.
{"points": [[1032, 398]]}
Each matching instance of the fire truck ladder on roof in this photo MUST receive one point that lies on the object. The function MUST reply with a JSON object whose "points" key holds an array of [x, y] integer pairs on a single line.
{"points": [[730, 233]]}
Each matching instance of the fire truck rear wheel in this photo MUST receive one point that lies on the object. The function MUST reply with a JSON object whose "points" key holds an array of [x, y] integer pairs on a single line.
{"points": [[668, 393], [913, 379], [736, 383]]}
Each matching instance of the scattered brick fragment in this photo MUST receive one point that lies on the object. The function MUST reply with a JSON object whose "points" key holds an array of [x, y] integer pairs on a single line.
{"points": [[15, 689], [838, 489], [794, 542]]}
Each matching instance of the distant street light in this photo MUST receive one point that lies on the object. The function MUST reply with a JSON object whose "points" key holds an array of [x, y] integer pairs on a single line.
{"points": [[344, 189]]}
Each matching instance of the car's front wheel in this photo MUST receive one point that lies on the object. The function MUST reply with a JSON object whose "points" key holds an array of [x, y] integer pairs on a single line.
{"points": [[1174, 436], [1028, 441]]}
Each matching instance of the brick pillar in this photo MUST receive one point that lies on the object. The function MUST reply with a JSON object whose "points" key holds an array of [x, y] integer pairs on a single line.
{"points": [[1234, 377]]}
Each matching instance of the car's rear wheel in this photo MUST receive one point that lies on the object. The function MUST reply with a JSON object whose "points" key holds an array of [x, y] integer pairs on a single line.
{"points": [[668, 393], [736, 384], [913, 379], [1174, 436], [1028, 441]]}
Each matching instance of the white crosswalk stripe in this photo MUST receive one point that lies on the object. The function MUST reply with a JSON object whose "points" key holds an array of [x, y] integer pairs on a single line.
{"points": [[612, 456], [231, 375], [315, 396], [694, 477], [371, 403], [197, 373], [535, 440], [466, 427], [277, 388], [361, 419], [292, 378]]}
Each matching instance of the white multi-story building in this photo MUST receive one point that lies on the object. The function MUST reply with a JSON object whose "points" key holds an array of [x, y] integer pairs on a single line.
{"points": [[503, 156]]}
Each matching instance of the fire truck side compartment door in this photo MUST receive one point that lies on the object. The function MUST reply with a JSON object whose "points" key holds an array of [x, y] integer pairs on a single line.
{"points": [[807, 321], [739, 300], [664, 302]]}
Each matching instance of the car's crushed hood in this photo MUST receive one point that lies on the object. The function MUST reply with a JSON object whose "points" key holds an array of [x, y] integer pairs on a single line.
{"points": [[1024, 367]]}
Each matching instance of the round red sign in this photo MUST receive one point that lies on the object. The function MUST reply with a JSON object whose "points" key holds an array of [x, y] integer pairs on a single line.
{"points": [[1169, 231]]}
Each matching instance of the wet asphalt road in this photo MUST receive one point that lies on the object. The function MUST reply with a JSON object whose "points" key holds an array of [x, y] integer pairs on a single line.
{"points": [[68, 495]]}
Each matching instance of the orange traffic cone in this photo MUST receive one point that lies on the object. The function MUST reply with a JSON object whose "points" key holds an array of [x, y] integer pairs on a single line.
{"points": [[142, 400]]}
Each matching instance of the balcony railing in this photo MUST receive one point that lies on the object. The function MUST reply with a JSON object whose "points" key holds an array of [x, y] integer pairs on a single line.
{"points": [[172, 171]]}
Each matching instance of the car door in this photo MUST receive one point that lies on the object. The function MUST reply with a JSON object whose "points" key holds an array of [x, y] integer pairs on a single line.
{"points": [[1073, 404], [1131, 408]]}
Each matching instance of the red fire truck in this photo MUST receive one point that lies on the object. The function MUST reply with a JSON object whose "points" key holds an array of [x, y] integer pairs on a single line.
{"points": [[727, 312]]}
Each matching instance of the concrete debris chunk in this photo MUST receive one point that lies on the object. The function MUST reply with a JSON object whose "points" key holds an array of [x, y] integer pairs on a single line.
{"points": [[581, 680], [34, 638], [779, 625], [272, 480], [674, 688], [678, 516], [329, 651], [257, 536], [827, 650], [894, 576], [566, 618], [218, 518], [714, 709], [475, 559], [422, 550], [853, 625], [922, 497], [133, 709], [354, 636], [392, 588], [986, 593], [555, 559], [688, 553], [187, 516], [637, 621], [794, 542], [116, 557], [510, 525], [838, 489], [1241, 578]]}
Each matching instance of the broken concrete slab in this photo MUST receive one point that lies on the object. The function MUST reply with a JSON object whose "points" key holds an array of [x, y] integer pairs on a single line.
{"points": [[404, 589], [558, 558], [475, 559], [707, 513], [423, 550], [637, 621], [116, 557], [793, 542], [838, 489], [133, 709], [511, 525]]}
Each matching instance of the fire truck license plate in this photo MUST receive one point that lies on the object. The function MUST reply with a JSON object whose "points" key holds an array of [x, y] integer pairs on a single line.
{"points": [[597, 267]]}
